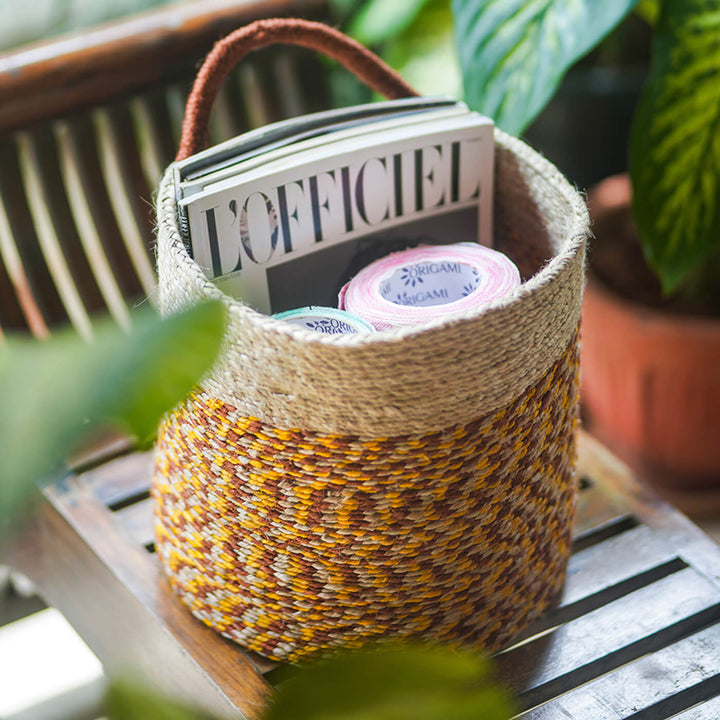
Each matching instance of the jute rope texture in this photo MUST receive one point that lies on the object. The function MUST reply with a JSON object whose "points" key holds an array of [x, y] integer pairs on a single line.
{"points": [[293, 542]]}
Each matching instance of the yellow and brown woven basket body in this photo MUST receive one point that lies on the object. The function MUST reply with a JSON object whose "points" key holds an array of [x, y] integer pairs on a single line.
{"points": [[321, 491]]}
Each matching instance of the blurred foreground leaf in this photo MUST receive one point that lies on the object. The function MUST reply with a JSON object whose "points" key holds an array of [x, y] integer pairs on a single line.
{"points": [[53, 393], [379, 20], [394, 683], [129, 701], [425, 54]]}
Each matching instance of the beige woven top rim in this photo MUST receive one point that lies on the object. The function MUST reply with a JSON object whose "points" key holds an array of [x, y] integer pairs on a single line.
{"points": [[569, 247]]}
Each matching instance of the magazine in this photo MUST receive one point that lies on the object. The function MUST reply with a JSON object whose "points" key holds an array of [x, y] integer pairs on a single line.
{"points": [[305, 139], [285, 132], [289, 230]]}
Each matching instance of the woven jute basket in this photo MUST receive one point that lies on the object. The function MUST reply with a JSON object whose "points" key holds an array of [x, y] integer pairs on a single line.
{"points": [[320, 491]]}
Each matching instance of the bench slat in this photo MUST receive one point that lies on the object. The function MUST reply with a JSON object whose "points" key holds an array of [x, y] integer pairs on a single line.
{"points": [[37, 195], [78, 192], [611, 635], [136, 522], [117, 150], [661, 684]]}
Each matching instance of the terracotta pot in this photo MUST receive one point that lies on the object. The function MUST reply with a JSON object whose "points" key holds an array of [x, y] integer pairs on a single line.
{"points": [[650, 384]]}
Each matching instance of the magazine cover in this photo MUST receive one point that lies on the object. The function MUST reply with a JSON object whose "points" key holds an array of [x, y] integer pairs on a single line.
{"points": [[291, 232]]}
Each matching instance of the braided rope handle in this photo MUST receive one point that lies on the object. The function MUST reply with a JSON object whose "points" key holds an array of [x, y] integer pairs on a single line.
{"points": [[226, 53]]}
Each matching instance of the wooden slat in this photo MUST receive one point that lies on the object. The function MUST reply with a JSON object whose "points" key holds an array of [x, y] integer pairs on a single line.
{"points": [[286, 73], [596, 508], [113, 592], [175, 97], [119, 481], [224, 120], [607, 571], [116, 145], [654, 687], [708, 710], [36, 193], [149, 49], [77, 189], [600, 533], [618, 558], [136, 522], [256, 96], [611, 635], [618, 482], [155, 144], [19, 215], [18, 277]]}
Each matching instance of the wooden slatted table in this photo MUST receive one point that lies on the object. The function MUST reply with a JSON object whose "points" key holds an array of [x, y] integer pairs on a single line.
{"points": [[635, 635]]}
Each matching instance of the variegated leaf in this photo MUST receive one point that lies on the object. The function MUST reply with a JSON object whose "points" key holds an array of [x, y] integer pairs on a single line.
{"points": [[675, 143]]}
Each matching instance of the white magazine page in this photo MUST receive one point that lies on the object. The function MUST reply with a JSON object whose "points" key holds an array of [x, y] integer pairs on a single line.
{"points": [[292, 231], [329, 134], [211, 159]]}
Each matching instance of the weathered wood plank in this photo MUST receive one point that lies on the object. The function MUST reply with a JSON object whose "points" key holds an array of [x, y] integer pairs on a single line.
{"points": [[617, 633], [655, 686], [120, 480], [125, 56], [135, 522], [632, 552], [13, 275], [595, 508], [79, 190], [113, 592], [38, 191], [708, 710], [127, 191], [604, 571], [619, 484]]}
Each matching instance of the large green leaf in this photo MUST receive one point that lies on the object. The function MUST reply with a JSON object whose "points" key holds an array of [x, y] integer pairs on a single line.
{"points": [[52, 393], [675, 142], [394, 683], [514, 53], [379, 20]]}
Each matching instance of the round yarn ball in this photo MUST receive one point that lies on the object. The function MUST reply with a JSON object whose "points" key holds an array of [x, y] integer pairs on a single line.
{"points": [[427, 282]]}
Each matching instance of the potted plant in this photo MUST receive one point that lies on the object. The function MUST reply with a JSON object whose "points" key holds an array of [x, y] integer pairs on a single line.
{"points": [[651, 337]]}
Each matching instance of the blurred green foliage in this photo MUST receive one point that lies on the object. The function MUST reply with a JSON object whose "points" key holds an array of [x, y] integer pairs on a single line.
{"points": [[514, 53], [394, 682], [388, 682], [53, 393]]}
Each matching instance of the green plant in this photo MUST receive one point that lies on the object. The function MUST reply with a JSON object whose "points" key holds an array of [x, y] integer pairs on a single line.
{"points": [[515, 52], [389, 682], [55, 393], [414, 36]]}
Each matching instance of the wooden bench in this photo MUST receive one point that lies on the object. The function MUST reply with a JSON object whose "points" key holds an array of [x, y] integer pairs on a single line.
{"points": [[88, 124], [635, 634]]}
